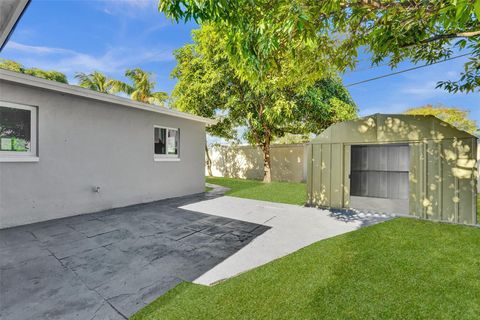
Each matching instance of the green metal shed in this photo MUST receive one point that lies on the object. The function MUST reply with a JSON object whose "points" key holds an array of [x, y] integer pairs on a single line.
{"points": [[403, 164]]}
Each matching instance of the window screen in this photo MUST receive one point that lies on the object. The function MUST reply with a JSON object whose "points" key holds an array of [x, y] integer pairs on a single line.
{"points": [[16, 130], [172, 141], [166, 142]]}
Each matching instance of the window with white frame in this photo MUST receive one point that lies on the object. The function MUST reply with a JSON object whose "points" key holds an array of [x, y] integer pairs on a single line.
{"points": [[18, 132], [166, 143]]}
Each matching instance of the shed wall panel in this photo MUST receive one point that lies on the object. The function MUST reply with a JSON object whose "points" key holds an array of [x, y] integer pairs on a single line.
{"points": [[433, 177], [309, 158], [464, 170], [317, 195], [346, 177], [326, 162], [336, 179], [414, 180], [449, 183]]}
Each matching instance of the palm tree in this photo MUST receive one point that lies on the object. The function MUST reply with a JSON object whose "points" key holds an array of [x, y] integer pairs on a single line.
{"points": [[142, 88], [95, 81]]}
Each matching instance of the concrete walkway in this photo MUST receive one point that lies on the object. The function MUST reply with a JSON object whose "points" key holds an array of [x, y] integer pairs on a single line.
{"points": [[292, 228]]}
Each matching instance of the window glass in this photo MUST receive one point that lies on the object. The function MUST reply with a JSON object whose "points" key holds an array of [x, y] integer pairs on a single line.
{"points": [[160, 140], [15, 130], [172, 142], [166, 142]]}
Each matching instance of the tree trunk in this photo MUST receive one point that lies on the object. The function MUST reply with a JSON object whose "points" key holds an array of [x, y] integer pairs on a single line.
{"points": [[209, 161], [267, 169]]}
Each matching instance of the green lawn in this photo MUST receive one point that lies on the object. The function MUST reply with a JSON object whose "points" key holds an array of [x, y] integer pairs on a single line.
{"points": [[401, 269], [284, 192]]}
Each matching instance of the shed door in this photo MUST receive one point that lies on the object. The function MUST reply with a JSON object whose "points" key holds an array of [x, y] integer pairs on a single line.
{"points": [[379, 177]]}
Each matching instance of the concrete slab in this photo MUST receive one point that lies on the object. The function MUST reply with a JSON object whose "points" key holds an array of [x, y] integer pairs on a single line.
{"points": [[44, 289], [283, 229], [108, 265]]}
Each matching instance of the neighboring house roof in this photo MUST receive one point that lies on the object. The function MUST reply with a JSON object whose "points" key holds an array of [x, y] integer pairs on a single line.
{"points": [[32, 81], [390, 128], [10, 13]]}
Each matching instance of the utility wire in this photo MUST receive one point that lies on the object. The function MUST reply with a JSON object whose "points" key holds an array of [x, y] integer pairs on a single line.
{"points": [[406, 70], [368, 68]]}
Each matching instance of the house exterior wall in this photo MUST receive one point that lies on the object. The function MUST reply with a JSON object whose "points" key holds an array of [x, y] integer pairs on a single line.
{"points": [[84, 143], [288, 162], [442, 170]]}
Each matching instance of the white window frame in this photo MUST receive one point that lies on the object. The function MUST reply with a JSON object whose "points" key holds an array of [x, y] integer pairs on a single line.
{"points": [[27, 156], [166, 157]]}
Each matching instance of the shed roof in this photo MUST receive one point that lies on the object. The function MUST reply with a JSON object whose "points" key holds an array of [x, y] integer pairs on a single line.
{"points": [[27, 80], [390, 128]]}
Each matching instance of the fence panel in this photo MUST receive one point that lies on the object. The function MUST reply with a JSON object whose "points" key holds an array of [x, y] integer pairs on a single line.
{"points": [[288, 162]]}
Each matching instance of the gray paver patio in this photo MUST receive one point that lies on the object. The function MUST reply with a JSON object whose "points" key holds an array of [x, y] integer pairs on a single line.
{"points": [[108, 265]]}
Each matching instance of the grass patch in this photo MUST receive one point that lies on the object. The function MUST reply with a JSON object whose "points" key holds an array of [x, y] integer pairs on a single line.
{"points": [[400, 269], [284, 192]]}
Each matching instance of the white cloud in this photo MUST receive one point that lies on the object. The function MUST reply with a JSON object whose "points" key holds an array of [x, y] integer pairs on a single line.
{"points": [[451, 74], [114, 60], [133, 3], [422, 89], [130, 8], [35, 49], [384, 107]]}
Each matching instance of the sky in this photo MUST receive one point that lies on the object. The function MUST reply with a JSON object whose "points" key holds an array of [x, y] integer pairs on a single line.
{"points": [[114, 35]]}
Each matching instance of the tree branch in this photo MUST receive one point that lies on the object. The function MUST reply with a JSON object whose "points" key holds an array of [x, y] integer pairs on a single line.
{"points": [[466, 34], [378, 5]]}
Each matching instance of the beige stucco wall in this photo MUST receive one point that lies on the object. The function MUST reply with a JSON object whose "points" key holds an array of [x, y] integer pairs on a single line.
{"points": [[246, 162]]}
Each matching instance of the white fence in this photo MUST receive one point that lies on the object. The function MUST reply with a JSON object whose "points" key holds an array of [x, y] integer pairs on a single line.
{"points": [[288, 162]]}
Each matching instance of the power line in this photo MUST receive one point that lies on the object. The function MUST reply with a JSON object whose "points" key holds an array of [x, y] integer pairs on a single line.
{"points": [[368, 68], [406, 70], [373, 66]]}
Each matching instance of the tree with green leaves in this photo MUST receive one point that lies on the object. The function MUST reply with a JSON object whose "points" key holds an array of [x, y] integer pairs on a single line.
{"points": [[200, 91], [141, 88], [11, 65], [455, 116], [39, 73], [291, 138], [209, 84], [259, 31], [95, 81]]}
